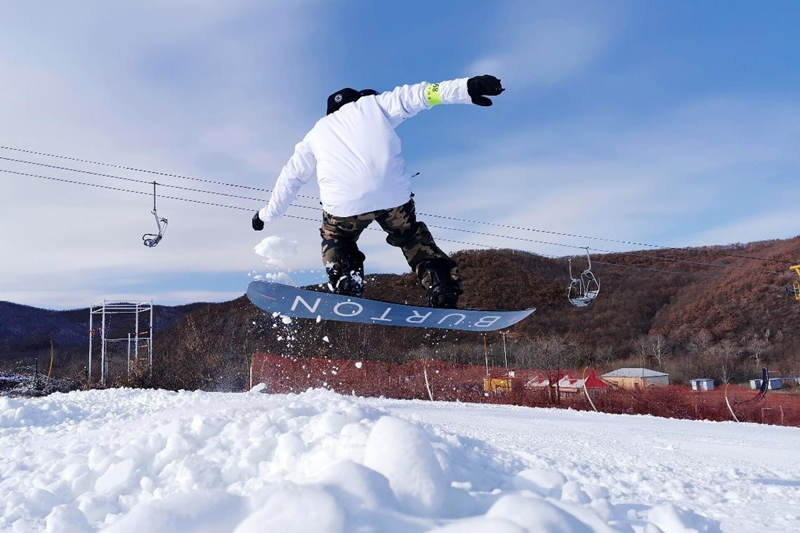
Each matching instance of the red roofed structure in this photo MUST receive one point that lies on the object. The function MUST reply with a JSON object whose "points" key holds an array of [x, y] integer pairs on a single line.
{"points": [[593, 382], [571, 385]]}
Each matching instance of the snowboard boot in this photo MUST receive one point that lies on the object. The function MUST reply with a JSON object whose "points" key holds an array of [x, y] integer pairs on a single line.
{"points": [[347, 280], [351, 284], [443, 286]]}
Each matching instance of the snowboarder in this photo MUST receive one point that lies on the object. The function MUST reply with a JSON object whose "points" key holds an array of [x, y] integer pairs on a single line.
{"points": [[362, 178]]}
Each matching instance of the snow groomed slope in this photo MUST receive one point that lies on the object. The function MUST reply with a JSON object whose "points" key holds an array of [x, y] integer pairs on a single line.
{"points": [[142, 460]]}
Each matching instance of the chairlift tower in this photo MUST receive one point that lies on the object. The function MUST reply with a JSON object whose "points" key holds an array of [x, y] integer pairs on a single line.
{"points": [[139, 339], [796, 284]]}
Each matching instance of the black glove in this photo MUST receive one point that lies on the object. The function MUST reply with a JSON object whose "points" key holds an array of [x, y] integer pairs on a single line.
{"points": [[258, 224], [478, 86]]}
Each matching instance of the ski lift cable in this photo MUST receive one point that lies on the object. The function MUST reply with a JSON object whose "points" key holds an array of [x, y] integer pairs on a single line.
{"points": [[121, 189], [595, 260], [539, 230], [445, 217], [215, 204], [190, 200], [192, 189], [662, 271], [647, 254], [206, 191], [227, 184], [486, 234], [133, 169], [134, 180], [296, 217], [264, 189]]}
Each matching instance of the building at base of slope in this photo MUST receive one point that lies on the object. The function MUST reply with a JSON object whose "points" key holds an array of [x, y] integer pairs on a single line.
{"points": [[636, 378], [702, 384]]}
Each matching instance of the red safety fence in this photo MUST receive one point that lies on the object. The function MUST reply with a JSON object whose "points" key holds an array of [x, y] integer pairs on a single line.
{"points": [[467, 383]]}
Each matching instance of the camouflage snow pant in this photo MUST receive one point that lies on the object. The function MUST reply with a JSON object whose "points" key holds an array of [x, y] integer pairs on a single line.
{"points": [[341, 255]]}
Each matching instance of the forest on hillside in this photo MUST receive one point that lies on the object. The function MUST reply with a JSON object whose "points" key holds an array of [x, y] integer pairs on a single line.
{"points": [[717, 312]]}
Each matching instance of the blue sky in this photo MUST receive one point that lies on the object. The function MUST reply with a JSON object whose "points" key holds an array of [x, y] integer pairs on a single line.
{"points": [[673, 123]]}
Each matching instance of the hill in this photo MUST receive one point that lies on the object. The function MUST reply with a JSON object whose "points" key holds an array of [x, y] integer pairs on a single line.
{"points": [[25, 332], [720, 312]]}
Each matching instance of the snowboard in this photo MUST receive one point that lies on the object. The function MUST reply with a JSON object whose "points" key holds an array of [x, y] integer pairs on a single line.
{"points": [[302, 303]]}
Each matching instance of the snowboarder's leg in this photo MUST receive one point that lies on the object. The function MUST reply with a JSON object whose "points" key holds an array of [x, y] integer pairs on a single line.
{"points": [[343, 261], [436, 271], [443, 281]]}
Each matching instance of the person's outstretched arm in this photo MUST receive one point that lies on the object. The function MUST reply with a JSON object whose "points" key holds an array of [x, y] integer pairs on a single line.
{"points": [[295, 174], [407, 100]]}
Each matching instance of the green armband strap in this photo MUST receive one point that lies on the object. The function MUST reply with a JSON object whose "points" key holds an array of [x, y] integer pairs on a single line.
{"points": [[432, 95]]}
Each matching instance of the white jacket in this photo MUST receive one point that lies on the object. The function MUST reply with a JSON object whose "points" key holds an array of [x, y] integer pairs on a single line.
{"points": [[356, 153]]}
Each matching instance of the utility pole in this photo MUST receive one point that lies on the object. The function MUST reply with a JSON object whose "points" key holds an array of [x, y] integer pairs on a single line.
{"points": [[486, 354], [505, 352]]}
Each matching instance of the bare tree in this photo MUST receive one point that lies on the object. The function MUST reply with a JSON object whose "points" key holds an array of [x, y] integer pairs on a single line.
{"points": [[654, 347], [725, 353], [661, 350], [554, 354], [758, 346], [642, 350], [701, 342], [549, 352]]}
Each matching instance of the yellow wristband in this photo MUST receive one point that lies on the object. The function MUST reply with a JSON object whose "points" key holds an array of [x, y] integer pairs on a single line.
{"points": [[432, 95]]}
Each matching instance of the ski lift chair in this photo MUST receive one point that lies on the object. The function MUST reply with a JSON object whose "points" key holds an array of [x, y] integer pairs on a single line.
{"points": [[583, 290], [151, 240]]}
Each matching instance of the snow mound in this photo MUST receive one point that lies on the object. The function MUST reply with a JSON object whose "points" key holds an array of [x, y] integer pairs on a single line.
{"points": [[403, 453], [141, 460]]}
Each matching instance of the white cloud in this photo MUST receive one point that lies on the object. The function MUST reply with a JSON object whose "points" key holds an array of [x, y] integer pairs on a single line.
{"points": [[545, 44], [659, 181], [758, 227], [546, 53], [222, 90], [197, 88]]}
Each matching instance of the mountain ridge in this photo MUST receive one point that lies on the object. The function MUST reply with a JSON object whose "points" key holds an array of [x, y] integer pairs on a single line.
{"points": [[691, 309], [663, 308]]}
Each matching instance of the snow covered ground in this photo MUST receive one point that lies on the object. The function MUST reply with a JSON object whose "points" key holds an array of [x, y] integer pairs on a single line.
{"points": [[147, 461]]}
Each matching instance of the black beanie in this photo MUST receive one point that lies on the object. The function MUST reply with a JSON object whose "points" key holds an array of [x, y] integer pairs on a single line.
{"points": [[345, 96]]}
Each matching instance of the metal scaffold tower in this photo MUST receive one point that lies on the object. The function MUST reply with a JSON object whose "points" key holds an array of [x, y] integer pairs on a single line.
{"points": [[139, 340], [796, 284]]}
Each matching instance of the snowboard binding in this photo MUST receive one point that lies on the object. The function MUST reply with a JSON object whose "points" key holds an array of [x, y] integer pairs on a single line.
{"points": [[351, 284], [346, 279], [443, 289]]}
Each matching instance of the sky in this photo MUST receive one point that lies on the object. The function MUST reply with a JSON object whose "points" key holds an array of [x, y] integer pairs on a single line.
{"points": [[672, 123]]}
